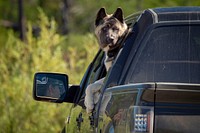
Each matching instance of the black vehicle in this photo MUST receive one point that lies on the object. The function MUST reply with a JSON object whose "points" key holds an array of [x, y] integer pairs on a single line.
{"points": [[154, 84]]}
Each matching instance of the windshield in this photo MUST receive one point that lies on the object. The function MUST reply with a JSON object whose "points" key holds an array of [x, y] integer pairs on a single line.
{"points": [[170, 54]]}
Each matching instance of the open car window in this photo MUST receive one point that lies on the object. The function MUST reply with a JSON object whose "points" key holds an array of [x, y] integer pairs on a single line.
{"points": [[95, 71]]}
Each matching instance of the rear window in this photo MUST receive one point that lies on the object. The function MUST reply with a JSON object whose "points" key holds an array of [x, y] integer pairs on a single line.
{"points": [[171, 54]]}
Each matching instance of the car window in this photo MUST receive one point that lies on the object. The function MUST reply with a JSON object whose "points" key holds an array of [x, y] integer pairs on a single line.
{"points": [[96, 69], [171, 54]]}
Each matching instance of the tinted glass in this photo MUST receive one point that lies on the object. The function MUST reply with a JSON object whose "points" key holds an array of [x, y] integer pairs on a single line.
{"points": [[171, 54]]}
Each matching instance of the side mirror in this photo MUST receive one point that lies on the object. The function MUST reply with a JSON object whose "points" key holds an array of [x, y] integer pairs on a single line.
{"points": [[50, 87]]}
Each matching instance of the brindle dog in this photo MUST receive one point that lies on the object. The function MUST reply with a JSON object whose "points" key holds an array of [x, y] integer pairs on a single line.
{"points": [[109, 29]]}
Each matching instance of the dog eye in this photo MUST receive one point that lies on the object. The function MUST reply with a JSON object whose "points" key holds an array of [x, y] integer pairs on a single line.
{"points": [[104, 28], [115, 29]]}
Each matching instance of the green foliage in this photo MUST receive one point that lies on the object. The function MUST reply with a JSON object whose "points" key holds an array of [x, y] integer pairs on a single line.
{"points": [[3, 37], [19, 61], [79, 50]]}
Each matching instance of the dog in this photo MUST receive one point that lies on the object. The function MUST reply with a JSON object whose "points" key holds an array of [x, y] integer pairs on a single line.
{"points": [[109, 30]]}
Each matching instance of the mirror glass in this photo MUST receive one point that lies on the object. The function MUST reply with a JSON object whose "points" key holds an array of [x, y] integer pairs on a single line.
{"points": [[50, 86]]}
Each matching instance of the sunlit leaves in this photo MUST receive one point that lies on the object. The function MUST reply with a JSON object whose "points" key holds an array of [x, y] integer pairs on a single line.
{"points": [[19, 61]]}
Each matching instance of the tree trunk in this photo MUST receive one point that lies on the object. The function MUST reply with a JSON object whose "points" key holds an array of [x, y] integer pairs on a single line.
{"points": [[65, 16], [22, 26]]}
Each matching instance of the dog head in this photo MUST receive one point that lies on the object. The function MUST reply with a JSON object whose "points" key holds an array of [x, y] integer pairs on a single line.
{"points": [[109, 28]]}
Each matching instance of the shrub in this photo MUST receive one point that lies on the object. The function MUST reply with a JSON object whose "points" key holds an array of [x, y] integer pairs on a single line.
{"points": [[19, 61]]}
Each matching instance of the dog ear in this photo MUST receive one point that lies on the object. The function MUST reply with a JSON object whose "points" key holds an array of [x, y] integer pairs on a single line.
{"points": [[119, 15], [100, 15]]}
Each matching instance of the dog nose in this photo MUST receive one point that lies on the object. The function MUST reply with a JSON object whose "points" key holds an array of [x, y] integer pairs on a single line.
{"points": [[110, 40]]}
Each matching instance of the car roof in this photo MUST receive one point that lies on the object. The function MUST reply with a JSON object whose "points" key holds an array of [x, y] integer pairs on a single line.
{"points": [[175, 14], [166, 14]]}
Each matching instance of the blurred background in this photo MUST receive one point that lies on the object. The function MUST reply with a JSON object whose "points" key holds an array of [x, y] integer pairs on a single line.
{"points": [[53, 36]]}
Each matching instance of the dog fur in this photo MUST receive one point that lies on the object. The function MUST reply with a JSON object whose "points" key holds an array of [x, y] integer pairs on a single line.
{"points": [[108, 30]]}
